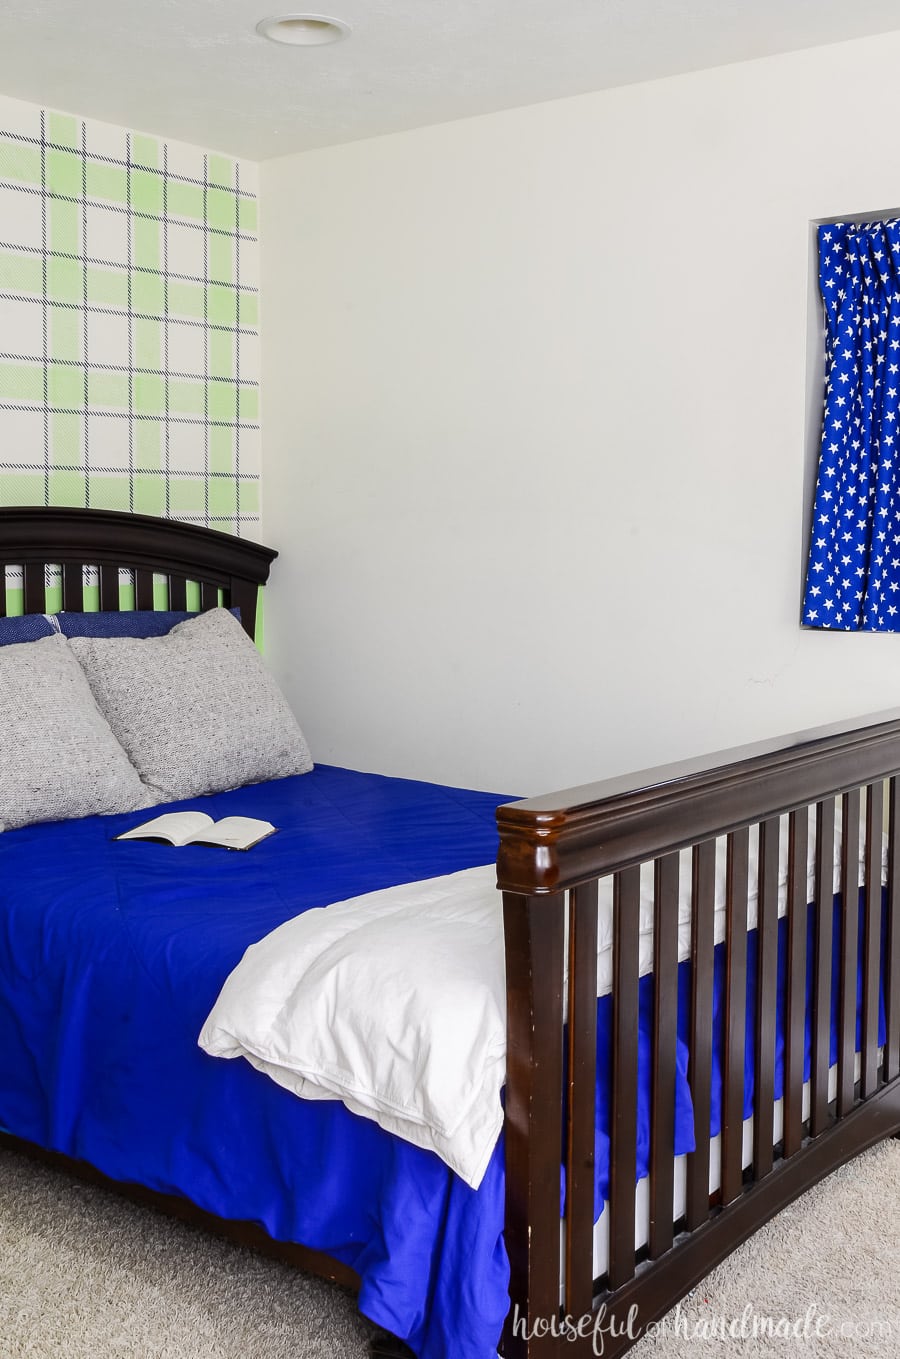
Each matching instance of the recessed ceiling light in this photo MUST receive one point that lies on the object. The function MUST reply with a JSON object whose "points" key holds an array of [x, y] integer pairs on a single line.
{"points": [[303, 30]]}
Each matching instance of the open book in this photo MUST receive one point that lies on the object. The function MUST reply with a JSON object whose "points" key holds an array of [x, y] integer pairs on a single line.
{"points": [[196, 828]]}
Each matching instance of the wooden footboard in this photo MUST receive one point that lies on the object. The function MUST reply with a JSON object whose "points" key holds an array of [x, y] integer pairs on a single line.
{"points": [[553, 853]]}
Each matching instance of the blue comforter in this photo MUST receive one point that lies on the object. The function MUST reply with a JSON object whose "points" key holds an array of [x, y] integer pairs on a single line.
{"points": [[111, 956]]}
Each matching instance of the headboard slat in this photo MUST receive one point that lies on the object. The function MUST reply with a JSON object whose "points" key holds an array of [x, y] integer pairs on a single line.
{"points": [[177, 592], [143, 589], [73, 586], [109, 588], [35, 590]]}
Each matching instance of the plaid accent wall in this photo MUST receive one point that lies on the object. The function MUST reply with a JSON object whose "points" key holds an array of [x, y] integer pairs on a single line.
{"points": [[129, 364]]}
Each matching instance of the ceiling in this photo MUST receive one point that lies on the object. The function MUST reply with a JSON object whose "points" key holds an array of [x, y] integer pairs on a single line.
{"points": [[196, 71]]}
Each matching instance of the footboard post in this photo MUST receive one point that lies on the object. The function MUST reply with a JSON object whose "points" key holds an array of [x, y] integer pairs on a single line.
{"points": [[534, 930]]}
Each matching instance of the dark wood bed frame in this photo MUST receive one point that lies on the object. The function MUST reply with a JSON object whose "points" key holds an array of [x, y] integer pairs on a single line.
{"points": [[553, 850]]}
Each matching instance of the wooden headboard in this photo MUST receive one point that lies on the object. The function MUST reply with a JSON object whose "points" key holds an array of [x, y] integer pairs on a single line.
{"points": [[227, 570]]}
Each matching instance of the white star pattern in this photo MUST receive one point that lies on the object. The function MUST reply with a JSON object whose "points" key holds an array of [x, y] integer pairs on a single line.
{"points": [[858, 487]]}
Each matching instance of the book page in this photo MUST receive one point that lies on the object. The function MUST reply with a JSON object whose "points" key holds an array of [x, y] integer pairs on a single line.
{"points": [[233, 832], [179, 828]]}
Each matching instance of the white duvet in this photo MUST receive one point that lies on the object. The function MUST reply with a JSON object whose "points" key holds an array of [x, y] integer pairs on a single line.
{"points": [[395, 1002]]}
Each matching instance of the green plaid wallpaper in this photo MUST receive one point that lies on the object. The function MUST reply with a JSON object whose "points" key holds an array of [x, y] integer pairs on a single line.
{"points": [[129, 364]]}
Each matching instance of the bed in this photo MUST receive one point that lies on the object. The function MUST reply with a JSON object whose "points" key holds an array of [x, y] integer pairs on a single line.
{"points": [[784, 1032]]}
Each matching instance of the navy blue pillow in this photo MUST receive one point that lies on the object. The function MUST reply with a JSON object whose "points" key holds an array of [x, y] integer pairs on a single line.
{"points": [[29, 627], [138, 623]]}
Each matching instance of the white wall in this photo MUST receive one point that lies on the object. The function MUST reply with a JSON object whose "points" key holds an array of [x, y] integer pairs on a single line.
{"points": [[535, 425]]}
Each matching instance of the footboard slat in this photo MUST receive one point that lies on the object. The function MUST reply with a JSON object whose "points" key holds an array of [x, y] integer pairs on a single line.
{"points": [[872, 939], [700, 1055], [795, 1001], [582, 1065], [766, 996], [892, 966], [623, 1130], [665, 1032], [821, 1018], [735, 1012], [849, 951]]}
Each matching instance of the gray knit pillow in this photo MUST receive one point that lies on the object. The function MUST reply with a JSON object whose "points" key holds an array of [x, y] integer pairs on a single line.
{"points": [[197, 711], [58, 757]]}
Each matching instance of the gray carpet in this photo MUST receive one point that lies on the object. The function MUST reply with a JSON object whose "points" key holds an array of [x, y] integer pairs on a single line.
{"points": [[84, 1275]]}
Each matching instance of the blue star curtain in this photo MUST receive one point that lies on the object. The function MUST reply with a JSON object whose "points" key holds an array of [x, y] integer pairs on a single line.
{"points": [[853, 579]]}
